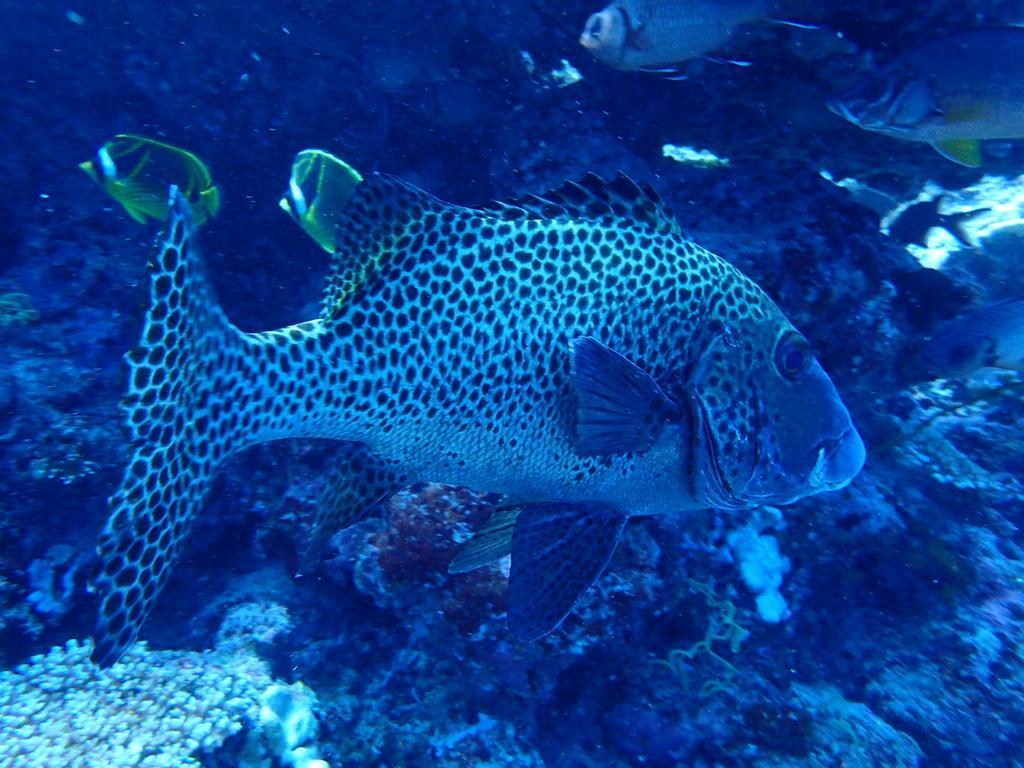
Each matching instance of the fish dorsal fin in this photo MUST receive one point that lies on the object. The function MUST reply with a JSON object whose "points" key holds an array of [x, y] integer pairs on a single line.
{"points": [[379, 222], [373, 229], [592, 198]]}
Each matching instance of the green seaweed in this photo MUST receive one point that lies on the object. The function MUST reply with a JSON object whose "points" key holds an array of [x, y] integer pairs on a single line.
{"points": [[722, 628]]}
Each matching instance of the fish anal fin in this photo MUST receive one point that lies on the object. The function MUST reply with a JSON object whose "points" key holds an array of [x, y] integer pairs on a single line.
{"points": [[963, 151], [141, 205], [558, 552], [359, 483], [619, 406], [490, 544]]}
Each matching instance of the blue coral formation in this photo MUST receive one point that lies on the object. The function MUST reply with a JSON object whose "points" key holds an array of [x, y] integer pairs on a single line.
{"points": [[879, 625]]}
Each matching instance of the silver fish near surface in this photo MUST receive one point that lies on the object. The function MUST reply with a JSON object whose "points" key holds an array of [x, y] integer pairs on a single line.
{"points": [[950, 93], [571, 350], [645, 34]]}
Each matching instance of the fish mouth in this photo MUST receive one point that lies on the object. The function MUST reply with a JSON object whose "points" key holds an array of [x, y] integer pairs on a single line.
{"points": [[837, 461]]}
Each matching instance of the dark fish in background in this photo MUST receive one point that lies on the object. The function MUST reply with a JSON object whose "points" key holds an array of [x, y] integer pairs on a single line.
{"points": [[653, 35], [950, 93], [913, 224], [989, 337]]}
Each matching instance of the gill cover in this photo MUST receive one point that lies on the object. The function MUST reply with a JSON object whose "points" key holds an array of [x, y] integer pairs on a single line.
{"points": [[773, 428]]}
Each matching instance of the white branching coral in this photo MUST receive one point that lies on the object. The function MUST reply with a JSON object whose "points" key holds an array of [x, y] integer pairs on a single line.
{"points": [[153, 709]]}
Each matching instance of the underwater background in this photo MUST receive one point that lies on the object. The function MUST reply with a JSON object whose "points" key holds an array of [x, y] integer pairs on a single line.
{"points": [[901, 640]]}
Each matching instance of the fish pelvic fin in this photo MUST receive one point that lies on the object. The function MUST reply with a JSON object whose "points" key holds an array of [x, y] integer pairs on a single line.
{"points": [[963, 151], [174, 407], [558, 552]]}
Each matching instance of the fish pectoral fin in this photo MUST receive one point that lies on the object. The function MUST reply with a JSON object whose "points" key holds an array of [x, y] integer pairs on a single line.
{"points": [[964, 151], [359, 483], [490, 544], [619, 407], [558, 551]]}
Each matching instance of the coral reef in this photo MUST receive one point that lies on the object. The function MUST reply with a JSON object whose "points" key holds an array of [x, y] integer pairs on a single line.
{"points": [[901, 595], [155, 708], [289, 725]]}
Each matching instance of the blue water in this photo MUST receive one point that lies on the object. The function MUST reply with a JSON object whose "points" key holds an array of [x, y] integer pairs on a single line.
{"points": [[900, 636]]}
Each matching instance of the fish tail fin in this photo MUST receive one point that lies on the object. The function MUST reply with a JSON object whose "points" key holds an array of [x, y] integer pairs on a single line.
{"points": [[963, 151], [177, 415], [953, 223]]}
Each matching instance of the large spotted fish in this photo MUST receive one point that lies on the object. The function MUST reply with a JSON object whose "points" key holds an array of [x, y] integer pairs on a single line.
{"points": [[571, 350]]}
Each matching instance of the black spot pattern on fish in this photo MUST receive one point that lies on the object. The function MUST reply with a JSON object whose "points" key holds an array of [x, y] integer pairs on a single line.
{"points": [[443, 347]]}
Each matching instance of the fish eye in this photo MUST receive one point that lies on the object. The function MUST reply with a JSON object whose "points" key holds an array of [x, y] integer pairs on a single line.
{"points": [[792, 356]]}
